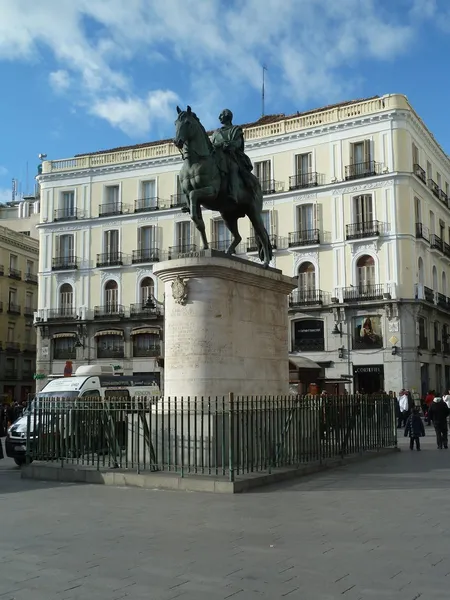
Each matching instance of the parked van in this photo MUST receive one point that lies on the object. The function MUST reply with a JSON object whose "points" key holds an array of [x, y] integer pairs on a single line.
{"points": [[90, 382]]}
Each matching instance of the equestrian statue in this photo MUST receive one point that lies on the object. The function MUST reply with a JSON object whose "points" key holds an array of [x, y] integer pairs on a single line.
{"points": [[217, 174]]}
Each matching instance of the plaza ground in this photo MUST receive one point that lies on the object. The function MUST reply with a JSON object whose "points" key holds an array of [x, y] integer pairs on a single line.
{"points": [[373, 530]]}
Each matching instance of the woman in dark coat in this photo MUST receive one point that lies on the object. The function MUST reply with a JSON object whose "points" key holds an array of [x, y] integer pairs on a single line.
{"points": [[414, 429]]}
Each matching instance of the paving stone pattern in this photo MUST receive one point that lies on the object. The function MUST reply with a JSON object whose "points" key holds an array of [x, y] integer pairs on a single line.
{"points": [[374, 530]]}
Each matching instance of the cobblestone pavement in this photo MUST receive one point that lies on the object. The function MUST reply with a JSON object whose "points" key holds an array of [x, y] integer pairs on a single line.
{"points": [[374, 530]]}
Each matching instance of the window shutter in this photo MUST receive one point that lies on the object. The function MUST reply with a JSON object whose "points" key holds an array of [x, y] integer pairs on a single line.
{"points": [[139, 238], [367, 152], [71, 244], [310, 162], [352, 154], [315, 211], [57, 245]]}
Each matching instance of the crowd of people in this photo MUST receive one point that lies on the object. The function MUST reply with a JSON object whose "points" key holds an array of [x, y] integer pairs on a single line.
{"points": [[9, 412], [436, 411]]}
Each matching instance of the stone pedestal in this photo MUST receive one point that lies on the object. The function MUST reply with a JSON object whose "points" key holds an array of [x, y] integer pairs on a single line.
{"points": [[226, 326]]}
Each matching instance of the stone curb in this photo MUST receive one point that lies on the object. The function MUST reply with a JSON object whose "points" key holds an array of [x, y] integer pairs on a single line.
{"points": [[189, 483]]}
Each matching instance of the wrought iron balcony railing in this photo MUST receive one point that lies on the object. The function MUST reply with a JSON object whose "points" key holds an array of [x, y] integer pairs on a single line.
{"points": [[65, 353], [11, 374], [12, 346], [31, 278], [429, 294], [145, 310], [443, 197], [30, 348], [64, 313], [65, 263], [368, 168], [14, 274], [433, 187], [29, 311], [307, 237], [252, 246], [423, 342], [363, 292], [422, 232], [109, 311], [303, 180], [174, 251], [221, 245], [110, 209], [365, 229], [436, 243], [146, 255], [14, 309], [178, 201], [271, 186], [146, 205], [420, 173], [139, 352], [110, 259], [306, 298], [110, 352], [66, 214]]}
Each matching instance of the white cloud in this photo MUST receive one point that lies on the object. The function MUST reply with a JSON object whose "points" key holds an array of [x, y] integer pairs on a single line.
{"points": [[220, 45], [3, 171], [59, 80]]}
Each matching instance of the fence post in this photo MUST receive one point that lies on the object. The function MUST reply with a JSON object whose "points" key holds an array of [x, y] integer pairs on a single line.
{"points": [[394, 420], [28, 446], [231, 435]]}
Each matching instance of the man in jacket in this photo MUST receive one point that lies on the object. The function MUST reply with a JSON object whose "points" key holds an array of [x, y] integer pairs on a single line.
{"points": [[438, 413]]}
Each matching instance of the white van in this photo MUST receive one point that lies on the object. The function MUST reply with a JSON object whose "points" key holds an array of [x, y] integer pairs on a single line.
{"points": [[90, 382]]}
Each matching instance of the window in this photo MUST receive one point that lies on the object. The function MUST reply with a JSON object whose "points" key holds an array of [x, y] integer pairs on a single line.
{"points": [[110, 346], [28, 334], [420, 270], [363, 209], [435, 279], [12, 297], [111, 245], [29, 301], [13, 261], [365, 268], [422, 328], [360, 153], [147, 238], [415, 155], [304, 176], [66, 300], [306, 277], [67, 204], [417, 210], [432, 223], [447, 189], [308, 335], [30, 267], [444, 283], [436, 331], [65, 246], [306, 215], [183, 236], [27, 367], [11, 332], [263, 173], [10, 367], [221, 236], [149, 190], [439, 180], [429, 170], [112, 296], [64, 348], [147, 290], [445, 340], [441, 229], [112, 197], [146, 344]]}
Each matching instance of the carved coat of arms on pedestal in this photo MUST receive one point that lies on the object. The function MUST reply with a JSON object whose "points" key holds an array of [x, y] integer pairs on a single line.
{"points": [[180, 290]]}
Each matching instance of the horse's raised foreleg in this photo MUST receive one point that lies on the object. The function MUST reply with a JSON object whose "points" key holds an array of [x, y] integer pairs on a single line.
{"points": [[195, 196], [265, 247], [231, 222]]}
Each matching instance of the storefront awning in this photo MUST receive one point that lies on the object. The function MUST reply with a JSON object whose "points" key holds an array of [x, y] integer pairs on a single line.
{"points": [[69, 334], [152, 330], [301, 362], [109, 332]]}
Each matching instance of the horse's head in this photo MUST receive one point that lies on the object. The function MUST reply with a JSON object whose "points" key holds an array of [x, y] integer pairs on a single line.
{"points": [[184, 126]]}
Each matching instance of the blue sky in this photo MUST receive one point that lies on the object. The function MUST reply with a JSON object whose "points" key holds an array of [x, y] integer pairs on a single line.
{"points": [[83, 75]]}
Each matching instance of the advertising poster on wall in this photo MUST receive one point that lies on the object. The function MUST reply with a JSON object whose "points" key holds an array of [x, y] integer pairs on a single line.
{"points": [[367, 332]]}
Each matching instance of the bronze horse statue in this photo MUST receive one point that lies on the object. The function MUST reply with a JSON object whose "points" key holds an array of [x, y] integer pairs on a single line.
{"points": [[204, 183]]}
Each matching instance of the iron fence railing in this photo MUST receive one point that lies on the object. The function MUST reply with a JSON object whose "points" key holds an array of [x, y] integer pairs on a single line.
{"points": [[226, 436]]}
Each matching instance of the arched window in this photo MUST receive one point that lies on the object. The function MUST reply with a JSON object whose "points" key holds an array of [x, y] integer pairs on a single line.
{"points": [[435, 279], [147, 290], [365, 271], [444, 283], [66, 307], [420, 270], [111, 296], [306, 277]]}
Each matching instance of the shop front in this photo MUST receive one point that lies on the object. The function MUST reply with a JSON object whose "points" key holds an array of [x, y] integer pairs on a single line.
{"points": [[368, 379]]}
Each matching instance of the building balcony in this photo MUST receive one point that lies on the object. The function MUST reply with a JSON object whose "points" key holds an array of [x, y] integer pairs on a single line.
{"points": [[437, 347], [304, 180], [11, 375], [443, 197], [363, 293], [446, 348], [110, 311], [422, 232], [14, 274], [307, 237], [433, 187], [368, 168], [305, 345], [29, 311], [299, 298], [178, 201], [220, 245], [446, 250], [31, 278], [61, 314], [146, 205], [66, 214], [65, 263], [436, 243], [13, 309], [12, 347], [65, 354], [145, 310], [29, 348], [420, 173], [110, 259], [366, 229], [252, 246], [270, 186], [110, 209], [110, 352], [423, 343], [428, 294], [146, 255], [153, 352], [174, 251]]}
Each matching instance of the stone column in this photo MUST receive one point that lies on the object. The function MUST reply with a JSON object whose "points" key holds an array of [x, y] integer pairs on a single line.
{"points": [[226, 326]]}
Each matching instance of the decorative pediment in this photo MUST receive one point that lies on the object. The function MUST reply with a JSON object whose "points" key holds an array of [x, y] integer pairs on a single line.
{"points": [[355, 189], [358, 247]]}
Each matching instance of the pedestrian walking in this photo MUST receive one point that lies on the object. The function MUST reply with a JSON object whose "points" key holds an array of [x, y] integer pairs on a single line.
{"points": [[415, 429], [438, 413], [403, 404]]}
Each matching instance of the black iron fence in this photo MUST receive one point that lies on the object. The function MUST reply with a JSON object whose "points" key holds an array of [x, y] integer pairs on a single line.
{"points": [[226, 436]]}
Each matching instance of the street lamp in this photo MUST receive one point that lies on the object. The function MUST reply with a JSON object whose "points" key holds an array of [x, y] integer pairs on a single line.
{"points": [[337, 330]]}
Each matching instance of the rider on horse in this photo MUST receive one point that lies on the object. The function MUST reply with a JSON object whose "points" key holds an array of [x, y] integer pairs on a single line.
{"points": [[233, 163]]}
